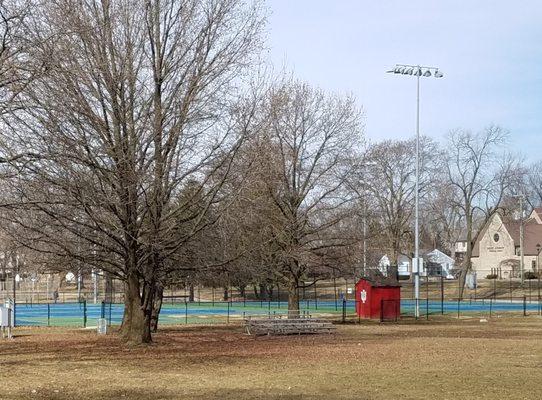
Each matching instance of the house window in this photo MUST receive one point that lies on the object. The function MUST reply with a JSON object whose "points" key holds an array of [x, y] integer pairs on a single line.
{"points": [[496, 237], [533, 265], [518, 252]]}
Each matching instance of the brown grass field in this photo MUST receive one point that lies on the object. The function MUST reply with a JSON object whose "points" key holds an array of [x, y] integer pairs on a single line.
{"points": [[440, 359]]}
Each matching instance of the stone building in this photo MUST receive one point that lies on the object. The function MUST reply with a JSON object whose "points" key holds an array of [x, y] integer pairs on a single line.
{"points": [[497, 249]]}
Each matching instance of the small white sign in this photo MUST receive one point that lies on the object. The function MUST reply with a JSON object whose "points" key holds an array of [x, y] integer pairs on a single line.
{"points": [[349, 290], [363, 296]]}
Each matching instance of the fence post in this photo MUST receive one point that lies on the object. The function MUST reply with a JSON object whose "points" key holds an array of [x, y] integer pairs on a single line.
{"points": [[84, 313], [427, 308], [48, 314], [490, 307], [185, 312], [315, 298], [359, 316], [335, 291], [103, 309], [344, 311], [382, 310], [442, 294], [228, 313], [458, 306], [510, 285], [524, 305], [538, 277], [110, 305]]}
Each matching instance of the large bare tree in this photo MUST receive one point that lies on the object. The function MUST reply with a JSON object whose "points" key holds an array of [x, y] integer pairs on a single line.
{"points": [[480, 174], [389, 174], [312, 143], [138, 100]]}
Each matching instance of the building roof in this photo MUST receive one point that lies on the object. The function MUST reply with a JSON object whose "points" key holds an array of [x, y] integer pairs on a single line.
{"points": [[532, 233], [438, 256]]}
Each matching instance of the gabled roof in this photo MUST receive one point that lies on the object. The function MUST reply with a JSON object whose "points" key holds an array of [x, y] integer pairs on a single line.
{"points": [[441, 256], [532, 235], [536, 214], [532, 232]]}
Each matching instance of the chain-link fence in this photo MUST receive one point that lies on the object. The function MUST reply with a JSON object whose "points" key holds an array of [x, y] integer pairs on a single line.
{"points": [[219, 312], [331, 299]]}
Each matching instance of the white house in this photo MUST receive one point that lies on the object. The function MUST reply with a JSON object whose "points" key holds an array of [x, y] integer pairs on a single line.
{"points": [[434, 263], [403, 266], [438, 263]]}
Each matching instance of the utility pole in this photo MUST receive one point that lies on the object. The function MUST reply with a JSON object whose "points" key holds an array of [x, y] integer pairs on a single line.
{"points": [[520, 197], [521, 239]]}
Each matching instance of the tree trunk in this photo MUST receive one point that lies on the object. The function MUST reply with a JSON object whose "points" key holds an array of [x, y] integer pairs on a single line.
{"points": [[108, 288], [467, 261], [269, 290], [191, 293], [132, 329], [148, 308], [256, 294], [157, 306], [293, 299]]}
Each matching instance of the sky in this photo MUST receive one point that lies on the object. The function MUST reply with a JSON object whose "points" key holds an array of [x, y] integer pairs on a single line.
{"points": [[490, 53]]}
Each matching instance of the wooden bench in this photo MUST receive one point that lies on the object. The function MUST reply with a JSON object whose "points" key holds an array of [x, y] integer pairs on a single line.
{"points": [[294, 326]]}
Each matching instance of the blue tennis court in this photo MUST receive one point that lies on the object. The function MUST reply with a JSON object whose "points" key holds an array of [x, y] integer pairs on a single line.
{"points": [[81, 314]]}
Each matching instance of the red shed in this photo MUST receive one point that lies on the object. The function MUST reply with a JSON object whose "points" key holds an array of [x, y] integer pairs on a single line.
{"points": [[378, 300]]}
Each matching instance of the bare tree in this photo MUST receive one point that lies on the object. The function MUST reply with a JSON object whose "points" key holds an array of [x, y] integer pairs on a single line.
{"points": [[442, 220], [311, 147], [391, 170], [534, 184], [480, 177], [137, 102]]}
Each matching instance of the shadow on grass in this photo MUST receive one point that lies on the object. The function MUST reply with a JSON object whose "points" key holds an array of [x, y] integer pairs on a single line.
{"points": [[161, 394]]}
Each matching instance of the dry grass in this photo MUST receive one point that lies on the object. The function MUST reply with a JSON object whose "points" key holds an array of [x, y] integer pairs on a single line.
{"points": [[449, 359]]}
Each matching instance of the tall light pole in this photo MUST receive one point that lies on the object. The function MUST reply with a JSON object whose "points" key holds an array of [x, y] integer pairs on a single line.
{"points": [[426, 72]]}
